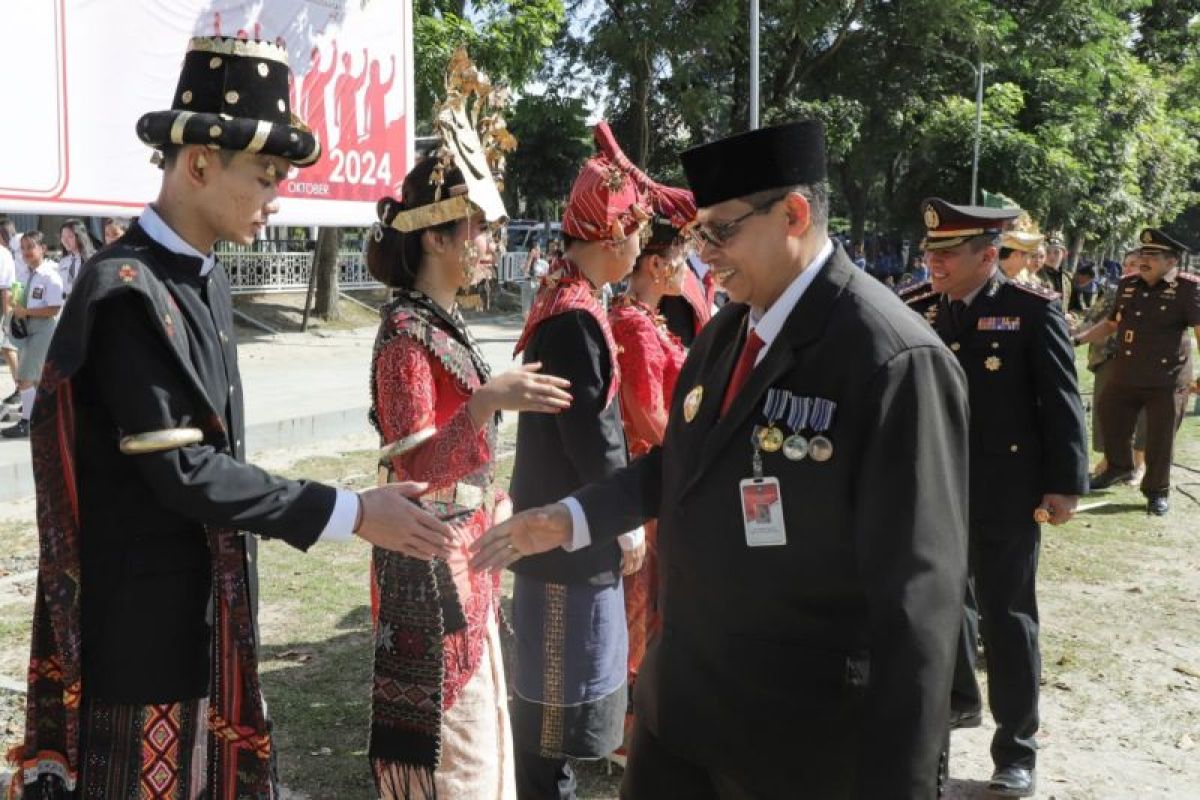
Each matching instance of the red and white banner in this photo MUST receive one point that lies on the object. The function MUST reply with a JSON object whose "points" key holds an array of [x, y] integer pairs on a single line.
{"points": [[81, 73]]}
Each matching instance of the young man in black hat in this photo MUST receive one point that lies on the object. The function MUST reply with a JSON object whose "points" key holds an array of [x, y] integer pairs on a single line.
{"points": [[1028, 461], [1154, 308], [810, 494], [143, 678]]}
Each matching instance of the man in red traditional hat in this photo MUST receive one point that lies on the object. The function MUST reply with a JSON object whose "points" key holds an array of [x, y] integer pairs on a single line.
{"points": [[569, 694]]}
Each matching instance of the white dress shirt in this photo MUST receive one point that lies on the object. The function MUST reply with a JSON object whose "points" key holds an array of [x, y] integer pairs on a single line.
{"points": [[340, 525], [767, 324]]}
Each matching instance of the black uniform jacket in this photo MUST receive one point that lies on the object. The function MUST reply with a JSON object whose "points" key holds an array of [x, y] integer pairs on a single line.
{"points": [[1028, 436], [558, 453], [152, 362], [1152, 345], [825, 662]]}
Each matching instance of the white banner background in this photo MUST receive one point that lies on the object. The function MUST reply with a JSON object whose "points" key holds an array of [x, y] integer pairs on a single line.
{"points": [[79, 74]]}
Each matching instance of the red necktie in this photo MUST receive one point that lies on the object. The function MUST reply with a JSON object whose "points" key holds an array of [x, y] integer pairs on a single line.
{"points": [[741, 370]]}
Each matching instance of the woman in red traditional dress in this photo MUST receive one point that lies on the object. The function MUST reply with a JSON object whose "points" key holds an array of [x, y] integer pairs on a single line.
{"points": [[440, 722], [650, 358]]}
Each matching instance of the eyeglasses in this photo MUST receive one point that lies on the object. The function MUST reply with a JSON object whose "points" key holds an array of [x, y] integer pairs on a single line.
{"points": [[719, 234]]}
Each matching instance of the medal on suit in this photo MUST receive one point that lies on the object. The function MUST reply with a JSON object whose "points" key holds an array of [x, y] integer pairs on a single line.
{"points": [[992, 363], [820, 448], [691, 403], [770, 438], [795, 447]]}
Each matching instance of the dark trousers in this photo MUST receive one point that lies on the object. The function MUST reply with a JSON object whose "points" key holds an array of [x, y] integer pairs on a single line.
{"points": [[964, 692], [1004, 566], [653, 772], [540, 778], [1164, 407]]}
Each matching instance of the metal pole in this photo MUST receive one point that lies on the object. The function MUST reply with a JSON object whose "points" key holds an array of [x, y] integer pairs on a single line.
{"points": [[753, 64], [978, 129]]}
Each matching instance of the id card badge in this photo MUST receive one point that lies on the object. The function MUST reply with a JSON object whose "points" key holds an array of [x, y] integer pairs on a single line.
{"points": [[762, 512]]}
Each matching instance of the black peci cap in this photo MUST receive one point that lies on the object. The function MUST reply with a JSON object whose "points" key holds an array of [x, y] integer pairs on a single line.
{"points": [[792, 154]]}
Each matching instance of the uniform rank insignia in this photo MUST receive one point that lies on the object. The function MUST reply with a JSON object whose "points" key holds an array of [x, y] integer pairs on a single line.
{"points": [[999, 324], [992, 363], [127, 273], [691, 403]]}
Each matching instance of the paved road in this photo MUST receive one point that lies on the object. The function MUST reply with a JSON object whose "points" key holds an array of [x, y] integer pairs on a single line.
{"points": [[300, 388]]}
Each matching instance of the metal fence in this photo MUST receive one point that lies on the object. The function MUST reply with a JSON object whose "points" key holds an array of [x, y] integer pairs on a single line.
{"points": [[284, 266]]}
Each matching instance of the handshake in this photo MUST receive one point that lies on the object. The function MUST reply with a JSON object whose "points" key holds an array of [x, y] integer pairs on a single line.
{"points": [[390, 517]]}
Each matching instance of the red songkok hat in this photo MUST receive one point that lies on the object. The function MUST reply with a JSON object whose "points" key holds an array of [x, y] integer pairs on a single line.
{"points": [[612, 198]]}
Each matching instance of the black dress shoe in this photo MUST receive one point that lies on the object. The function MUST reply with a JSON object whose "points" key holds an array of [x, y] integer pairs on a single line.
{"points": [[1158, 505], [1110, 477], [965, 718], [1013, 782], [18, 431]]}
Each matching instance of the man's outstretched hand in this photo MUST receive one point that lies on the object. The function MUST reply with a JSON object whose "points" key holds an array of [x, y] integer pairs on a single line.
{"points": [[537, 530]]}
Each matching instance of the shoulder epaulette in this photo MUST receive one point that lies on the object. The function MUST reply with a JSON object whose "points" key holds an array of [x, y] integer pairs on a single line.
{"points": [[914, 289], [1036, 291], [1191, 277]]}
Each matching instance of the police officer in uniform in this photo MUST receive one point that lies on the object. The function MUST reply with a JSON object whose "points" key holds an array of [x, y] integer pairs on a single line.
{"points": [[1028, 459], [1053, 273], [1154, 308]]}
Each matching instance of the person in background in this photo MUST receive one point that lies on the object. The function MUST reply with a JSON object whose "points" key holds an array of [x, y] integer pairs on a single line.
{"points": [[34, 317], [1017, 252], [77, 249], [114, 228], [8, 347], [536, 268]]}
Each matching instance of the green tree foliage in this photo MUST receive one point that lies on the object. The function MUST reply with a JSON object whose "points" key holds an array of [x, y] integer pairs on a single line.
{"points": [[1091, 117], [554, 140], [508, 40]]}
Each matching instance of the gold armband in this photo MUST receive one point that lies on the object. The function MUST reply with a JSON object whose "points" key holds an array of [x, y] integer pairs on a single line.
{"points": [[159, 441], [402, 446]]}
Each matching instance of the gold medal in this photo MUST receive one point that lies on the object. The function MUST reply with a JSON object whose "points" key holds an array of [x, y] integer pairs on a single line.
{"points": [[770, 439], [992, 363], [691, 403], [820, 448], [795, 447]]}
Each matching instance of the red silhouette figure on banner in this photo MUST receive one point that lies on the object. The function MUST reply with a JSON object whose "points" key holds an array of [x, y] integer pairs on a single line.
{"points": [[376, 121], [312, 94], [345, 112]]}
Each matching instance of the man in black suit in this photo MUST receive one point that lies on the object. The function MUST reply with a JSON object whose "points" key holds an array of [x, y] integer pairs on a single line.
{"points": [[810, 494], [1028, 461]]}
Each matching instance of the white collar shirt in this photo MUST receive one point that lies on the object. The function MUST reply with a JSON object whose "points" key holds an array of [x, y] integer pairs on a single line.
{"points": [[767, 324], [158, 230]]}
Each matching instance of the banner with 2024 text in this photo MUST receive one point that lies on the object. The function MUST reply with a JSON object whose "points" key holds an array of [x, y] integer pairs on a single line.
{"points": [[81, 72]]}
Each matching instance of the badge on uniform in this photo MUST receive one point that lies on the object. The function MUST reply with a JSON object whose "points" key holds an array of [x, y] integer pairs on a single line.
{"points": [[999, 324], [992, 363], [37, 293], [691, 403], [762, 512], [809, 419]]}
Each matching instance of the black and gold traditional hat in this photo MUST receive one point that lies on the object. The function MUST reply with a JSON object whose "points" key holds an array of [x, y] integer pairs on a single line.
{"points": [[1155, 239], [792, 154], [233, 95], [948, 225]]}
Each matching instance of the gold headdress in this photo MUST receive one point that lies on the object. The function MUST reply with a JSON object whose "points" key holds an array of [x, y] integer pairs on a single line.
{"points": [[474, 136]]}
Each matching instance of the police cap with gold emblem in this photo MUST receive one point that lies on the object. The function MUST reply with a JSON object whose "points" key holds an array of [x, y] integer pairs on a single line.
{"points": [[948, 225], [233, 95], [1152, 239], [792, 154]]}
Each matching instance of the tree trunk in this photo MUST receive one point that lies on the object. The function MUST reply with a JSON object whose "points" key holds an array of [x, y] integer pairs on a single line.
{"points": [[326, 265]]}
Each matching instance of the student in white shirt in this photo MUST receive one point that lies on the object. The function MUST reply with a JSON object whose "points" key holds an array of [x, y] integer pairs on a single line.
{"points": [[77, 249], [8, 348], [35, 318]]}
